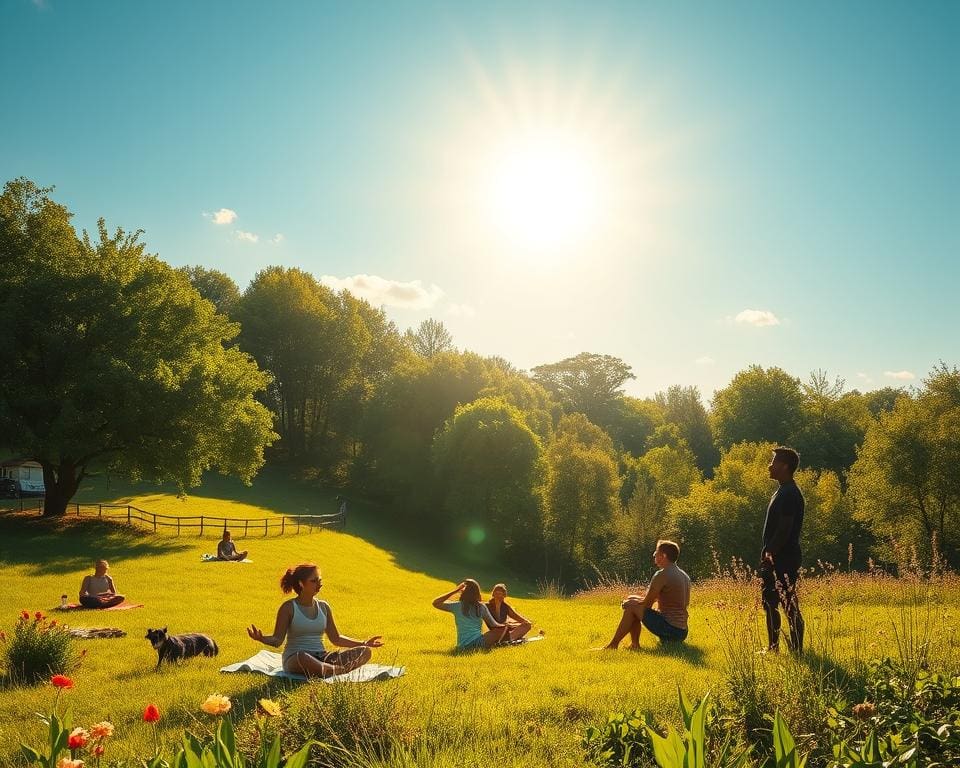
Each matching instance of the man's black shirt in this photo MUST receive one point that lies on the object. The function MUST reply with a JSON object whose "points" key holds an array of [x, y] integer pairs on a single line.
{"points": [[781, 529]]}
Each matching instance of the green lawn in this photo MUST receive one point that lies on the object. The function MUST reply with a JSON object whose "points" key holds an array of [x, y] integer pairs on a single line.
{"points": [[525, 705]]}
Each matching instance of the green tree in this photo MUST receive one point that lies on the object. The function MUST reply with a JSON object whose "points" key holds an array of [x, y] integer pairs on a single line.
{"points": [[682, 406], [590, 384], [758, 405], [905, 481], [633, 423], [662, 473], [833, 424], [399, 425], [114, 360], [490, 467], [215, 286], [581, 495], [431, 338]]}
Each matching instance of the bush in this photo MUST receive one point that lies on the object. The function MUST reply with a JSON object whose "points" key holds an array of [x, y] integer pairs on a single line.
{"points": [[910, 719], [621, 740], [38, 648], [349, 722]]}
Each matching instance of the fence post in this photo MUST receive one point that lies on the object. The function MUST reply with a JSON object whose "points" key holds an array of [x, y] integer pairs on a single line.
{"points": [[266, 523], [246, 527], [128, 514], [201, 526], [178, 526], [99, 510], [154, 523], [283, 524]]}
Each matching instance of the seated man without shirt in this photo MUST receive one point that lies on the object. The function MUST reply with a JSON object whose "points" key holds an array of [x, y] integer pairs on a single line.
{"points": [[227, 550], [670, 590]]}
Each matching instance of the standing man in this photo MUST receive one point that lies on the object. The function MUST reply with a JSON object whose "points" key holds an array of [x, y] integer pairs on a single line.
{"points": [[669, 590], [780, 557]]}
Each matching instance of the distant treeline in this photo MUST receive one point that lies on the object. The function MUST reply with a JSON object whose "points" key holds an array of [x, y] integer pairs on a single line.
{"points": [[115, 360], [562, 473]]}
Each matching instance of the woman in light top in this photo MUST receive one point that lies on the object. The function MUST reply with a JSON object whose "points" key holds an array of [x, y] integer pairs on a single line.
{"points": [[97, 591], [303, 620], [503, 612], [470, 614]]}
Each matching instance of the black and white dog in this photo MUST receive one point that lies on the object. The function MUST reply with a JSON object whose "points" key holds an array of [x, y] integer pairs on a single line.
{"points": [[177, 647]]}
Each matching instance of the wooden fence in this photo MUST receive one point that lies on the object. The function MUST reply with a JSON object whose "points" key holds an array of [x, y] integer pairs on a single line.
{"points": [[238, 526]]}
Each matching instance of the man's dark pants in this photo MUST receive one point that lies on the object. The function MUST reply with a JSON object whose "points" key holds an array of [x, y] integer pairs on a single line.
{"points": [[779, 584]]}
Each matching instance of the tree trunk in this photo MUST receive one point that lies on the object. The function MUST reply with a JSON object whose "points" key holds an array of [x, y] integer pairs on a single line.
{"points": [[61, 483]]}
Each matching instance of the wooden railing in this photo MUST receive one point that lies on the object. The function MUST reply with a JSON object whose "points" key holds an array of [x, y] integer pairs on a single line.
{"points": [[238, 526]]}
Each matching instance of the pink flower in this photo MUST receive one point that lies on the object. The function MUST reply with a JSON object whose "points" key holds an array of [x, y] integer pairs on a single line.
{"points": [[101, 730], [66, 762]]}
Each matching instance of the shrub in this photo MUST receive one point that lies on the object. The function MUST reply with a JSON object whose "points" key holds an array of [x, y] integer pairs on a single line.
{"points": [[348, 721], [907, 719], [38, 648], [621, 740], [630, 739]]}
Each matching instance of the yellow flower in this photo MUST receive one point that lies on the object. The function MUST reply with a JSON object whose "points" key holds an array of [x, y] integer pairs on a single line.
{"points": [[101, 730], [216, 704], [269, 707], [66, 762]]}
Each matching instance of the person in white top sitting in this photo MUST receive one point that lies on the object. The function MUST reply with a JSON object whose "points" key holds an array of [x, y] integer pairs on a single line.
{"points": [[98, 591], [227, 550], [303, 620]]}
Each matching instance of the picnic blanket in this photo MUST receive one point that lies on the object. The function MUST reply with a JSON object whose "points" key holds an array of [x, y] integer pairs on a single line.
{"points": [[96, 633], [271, 664], [124, 606], [208, 558]]}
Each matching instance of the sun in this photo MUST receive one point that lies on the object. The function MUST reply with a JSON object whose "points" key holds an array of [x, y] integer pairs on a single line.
{"points": [[543, 190]]}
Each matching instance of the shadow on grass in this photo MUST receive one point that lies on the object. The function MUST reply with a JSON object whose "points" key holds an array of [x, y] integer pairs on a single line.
{"points": [[691, 654], [52, 546], [827, 667]]}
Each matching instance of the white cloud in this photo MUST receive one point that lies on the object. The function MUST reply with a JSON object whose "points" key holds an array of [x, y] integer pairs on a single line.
{"points": [[900, 375], [461, 310], [704, 360], [223, 216], [380, 291], [865, 378], [247, 237], [758, 318], [277, 238]]}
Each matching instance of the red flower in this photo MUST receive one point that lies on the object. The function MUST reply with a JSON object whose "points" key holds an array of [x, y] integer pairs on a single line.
{"points": [[24, 615], [53, 622], [3, 636], [98, 750], [61, 681], [151, 714], [78, 738], [38, 616]]}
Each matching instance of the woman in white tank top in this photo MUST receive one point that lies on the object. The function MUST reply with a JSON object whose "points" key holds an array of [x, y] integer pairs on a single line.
{"points": [[303, 620]]}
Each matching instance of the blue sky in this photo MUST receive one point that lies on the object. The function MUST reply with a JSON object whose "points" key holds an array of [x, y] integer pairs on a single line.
{"points": [[768, 183]]}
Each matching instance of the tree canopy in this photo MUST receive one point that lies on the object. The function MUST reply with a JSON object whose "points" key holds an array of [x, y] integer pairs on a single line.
{"points": [[116, 361]]}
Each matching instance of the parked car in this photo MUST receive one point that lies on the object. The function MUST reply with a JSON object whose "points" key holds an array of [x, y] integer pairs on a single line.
{"points": [[9, 488]]}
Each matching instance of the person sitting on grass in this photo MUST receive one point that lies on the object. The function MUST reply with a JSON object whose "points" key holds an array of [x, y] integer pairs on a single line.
{"points": [[503, 612], [670, 590], [303, 620], [470, 614], [227, 550], [97, 591]]}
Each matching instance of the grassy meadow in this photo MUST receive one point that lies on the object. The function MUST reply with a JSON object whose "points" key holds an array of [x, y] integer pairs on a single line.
{"points": [[526, 705]]}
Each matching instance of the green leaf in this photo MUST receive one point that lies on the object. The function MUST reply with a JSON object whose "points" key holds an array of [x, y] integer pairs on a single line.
{"points": [[686, 708], [273, 754], [299, 759], [667, 751], [30, 754]]}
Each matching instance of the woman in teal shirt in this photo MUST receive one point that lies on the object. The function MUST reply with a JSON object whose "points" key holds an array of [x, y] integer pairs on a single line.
{"points": [[470, 614]]}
